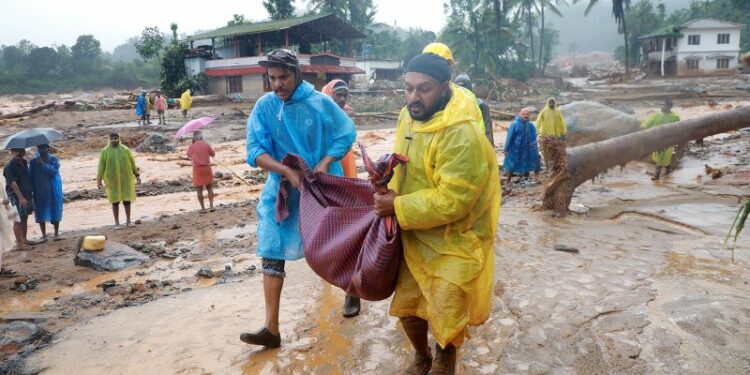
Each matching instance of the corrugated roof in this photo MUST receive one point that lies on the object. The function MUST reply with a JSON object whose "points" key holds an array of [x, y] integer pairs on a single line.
{"points": [[267, 26]]}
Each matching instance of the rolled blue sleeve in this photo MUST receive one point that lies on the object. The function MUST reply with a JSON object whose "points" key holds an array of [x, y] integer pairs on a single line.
{"points": [[342, 131], [258, 139]]}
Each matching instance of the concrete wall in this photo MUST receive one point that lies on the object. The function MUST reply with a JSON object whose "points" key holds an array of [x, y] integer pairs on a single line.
{"points": [[195, 66], [708, 42], [706, 63], [252, 87]]}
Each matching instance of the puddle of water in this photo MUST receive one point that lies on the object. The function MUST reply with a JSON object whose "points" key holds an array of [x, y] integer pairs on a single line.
{"points": [[34, 301], [713, 217], [329, 350]]}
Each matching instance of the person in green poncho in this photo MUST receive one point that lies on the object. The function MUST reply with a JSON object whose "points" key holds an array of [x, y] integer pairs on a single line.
{"points": [[663, 157], [118, 171]]}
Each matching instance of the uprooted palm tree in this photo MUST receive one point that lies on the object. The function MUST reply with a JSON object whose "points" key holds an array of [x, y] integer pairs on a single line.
{"points": [[588, 161]]}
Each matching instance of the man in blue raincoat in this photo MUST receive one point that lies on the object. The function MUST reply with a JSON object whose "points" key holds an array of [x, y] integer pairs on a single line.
{"points": [[294, 118], [521, 149], [140, 108], [46, 186]]}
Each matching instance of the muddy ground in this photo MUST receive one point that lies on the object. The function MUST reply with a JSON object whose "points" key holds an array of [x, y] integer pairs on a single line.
{"points": [[651, 289]]}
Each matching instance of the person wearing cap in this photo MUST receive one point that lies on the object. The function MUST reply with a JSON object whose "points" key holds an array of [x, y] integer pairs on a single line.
{"points": [[19, 189], [140, 108], [446, 201], [464, 81], [662, 158], [186, 101], [553, 132], [46, 183], [294, 118], [119, 173]]}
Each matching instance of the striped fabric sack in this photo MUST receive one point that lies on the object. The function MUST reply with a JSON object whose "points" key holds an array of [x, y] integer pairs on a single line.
{"points": [[344, 240]]}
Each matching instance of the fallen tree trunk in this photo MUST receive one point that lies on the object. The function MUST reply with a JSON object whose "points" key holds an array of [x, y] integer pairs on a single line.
{"points": [[28, 111], [588, 161]]}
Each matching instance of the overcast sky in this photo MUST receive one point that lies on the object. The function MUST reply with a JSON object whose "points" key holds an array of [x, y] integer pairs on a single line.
{"points": [[47, 22]]}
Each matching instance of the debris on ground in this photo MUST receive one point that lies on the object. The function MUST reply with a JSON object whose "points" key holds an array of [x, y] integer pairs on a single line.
{"points": [[156, 143], [715, 173], [115, 257]]}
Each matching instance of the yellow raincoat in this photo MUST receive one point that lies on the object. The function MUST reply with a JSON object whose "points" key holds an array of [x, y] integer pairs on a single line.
{"points": [[117, 169], [447, 206], [663, 157], [186, 101], [550, 122]]}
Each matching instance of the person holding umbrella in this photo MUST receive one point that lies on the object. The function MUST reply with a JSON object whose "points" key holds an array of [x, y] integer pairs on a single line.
{"points": [[18, 187], [47, 190], [118, 171], [200, 154]]}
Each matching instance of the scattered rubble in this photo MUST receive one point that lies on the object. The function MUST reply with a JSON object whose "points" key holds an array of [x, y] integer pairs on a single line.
{"points": [[115, 257], [156, 143]]}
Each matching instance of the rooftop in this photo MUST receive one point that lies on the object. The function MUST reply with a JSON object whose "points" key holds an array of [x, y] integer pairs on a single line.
{"points": [[308, 29]]}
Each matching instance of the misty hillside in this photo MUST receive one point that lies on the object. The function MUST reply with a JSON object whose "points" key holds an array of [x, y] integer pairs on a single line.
{"points": [[597, 31]]}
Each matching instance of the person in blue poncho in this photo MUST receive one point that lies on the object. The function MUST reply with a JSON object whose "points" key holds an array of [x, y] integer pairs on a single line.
{"points": [[46, 186], [521, 150], [294, 118], [140, 108]]}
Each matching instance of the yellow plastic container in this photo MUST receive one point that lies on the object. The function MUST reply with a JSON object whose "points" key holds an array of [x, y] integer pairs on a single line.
{"points": [[94, 243]]}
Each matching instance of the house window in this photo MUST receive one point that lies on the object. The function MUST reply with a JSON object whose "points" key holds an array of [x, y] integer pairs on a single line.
{"points": [[723, 39], [234, 84], [722, 63], [669, 44], [692, 64], [694, 40]]}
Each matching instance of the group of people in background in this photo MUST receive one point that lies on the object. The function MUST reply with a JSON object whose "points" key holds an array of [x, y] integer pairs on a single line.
{"points": [[146, 102]]}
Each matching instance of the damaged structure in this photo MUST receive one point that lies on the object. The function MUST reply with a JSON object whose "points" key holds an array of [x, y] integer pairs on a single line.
{"points": [[229, 55], [697, 47]]}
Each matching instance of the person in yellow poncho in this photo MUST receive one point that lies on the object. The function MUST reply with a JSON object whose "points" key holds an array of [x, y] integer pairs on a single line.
{"points": [[118, 171], [446, 201], [186, 101], [663, 157], [553, 132]]}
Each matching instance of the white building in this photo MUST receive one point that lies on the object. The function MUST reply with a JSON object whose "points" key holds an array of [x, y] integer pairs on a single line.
{"points": [[376, 70], [698, 47]]}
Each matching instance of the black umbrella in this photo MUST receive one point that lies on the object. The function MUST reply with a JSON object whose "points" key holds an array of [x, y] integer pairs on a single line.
{"points": [[32, 137]]}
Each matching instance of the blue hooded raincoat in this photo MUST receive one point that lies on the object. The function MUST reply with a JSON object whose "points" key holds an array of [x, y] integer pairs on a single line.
{"points": [[522, 151], [140, 105], [309, 124], [47, 187]]}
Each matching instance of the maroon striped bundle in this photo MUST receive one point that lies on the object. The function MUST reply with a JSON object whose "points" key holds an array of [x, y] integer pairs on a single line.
{"points": [[344, 240]]}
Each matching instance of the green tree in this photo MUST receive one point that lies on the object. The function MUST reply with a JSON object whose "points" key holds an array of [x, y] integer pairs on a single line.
{"points": [[149, 45], [43, 63], [237, 19], [414, 43], [86, 54], [173, 27], [552, 5], [279, 9], [642, 19], [173, 72], [619, 8], [361, 13], [339, 8]]}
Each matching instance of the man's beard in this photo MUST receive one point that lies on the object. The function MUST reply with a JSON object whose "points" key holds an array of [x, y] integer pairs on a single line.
{"points": [[437, 106]]}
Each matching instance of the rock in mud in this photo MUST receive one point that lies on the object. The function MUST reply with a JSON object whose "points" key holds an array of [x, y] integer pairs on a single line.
{"points": [[16, 335], [115, 257], [205, 272], [156, 143], [593, 122]]}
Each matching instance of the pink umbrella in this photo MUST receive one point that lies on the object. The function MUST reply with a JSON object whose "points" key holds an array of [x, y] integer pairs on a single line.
{"points": [[193, 125]]}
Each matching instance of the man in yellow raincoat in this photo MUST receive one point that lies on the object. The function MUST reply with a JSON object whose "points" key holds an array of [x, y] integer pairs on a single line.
{"points": [[186, 101], [553, 132], [663, 157], [447, 202], [118, 171]]}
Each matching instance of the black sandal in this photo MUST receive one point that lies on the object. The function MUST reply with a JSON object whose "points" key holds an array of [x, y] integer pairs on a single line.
{"points": [[263, 338]]}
